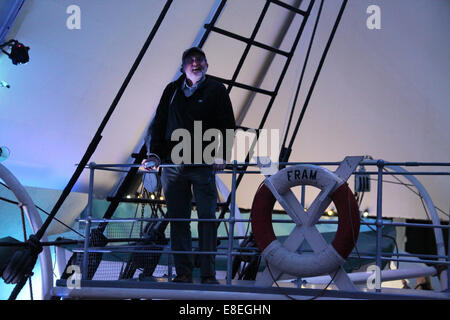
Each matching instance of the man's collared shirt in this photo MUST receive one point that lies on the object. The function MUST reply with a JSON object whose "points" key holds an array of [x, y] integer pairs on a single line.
{"points": [[189, 91]]}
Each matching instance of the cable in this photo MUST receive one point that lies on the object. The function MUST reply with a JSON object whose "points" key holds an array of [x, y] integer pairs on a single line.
{"points": [[395, 244], [56, 219], [324, 289], [39, 208], [245, 236], [292, 298], [25, 239], [408, 186], [423, 205], [319, 68], [301, 78], [244, 270], [425, 208], [393, 182], [360, 199], [416, 193], [353, 234], [273, 278], [129, 236]]}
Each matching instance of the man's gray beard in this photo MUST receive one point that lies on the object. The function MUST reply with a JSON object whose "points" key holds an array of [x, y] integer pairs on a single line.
{"points": [[194, 78]]}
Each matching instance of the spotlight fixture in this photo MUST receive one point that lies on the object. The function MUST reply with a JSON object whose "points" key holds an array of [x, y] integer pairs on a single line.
{"points": [[19, 52], [365, 213]]}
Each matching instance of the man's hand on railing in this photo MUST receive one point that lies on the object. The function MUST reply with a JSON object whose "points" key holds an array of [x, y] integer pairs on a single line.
{"points": [[151, 163]]}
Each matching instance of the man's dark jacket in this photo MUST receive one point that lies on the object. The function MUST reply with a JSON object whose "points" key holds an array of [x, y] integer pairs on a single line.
{"points": [[209, 104]]}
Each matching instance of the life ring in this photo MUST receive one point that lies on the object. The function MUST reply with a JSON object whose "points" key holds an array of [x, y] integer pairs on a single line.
{"points": [[305, 265]]}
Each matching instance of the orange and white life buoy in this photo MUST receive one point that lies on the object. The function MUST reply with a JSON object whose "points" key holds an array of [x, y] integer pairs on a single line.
{"points": [[331, 256]]}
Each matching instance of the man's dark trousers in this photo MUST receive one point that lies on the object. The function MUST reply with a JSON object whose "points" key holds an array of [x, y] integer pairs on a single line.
{"points": [[179, 184]]}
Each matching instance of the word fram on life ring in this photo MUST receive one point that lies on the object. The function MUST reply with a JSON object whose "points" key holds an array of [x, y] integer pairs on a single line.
{"points": [[307, 264]]}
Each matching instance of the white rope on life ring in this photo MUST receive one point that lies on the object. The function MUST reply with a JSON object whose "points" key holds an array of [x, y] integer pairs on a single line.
{"points": [[330, 256]]}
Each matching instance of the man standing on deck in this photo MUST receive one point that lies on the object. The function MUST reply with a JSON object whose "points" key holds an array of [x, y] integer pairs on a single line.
{"points": [[191, 102]]}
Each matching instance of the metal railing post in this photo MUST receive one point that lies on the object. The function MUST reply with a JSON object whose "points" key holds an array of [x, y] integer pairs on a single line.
{"points": [[379, 220], [303, 194], [231, 224], [84, 271], [448, 259], [170, 262]]}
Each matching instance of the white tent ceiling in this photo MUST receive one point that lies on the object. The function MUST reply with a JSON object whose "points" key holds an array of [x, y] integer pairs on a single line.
{"points": [[383, 93]]}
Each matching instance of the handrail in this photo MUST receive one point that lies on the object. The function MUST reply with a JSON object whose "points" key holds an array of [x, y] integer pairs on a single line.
{"points": [[231, 251]]}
